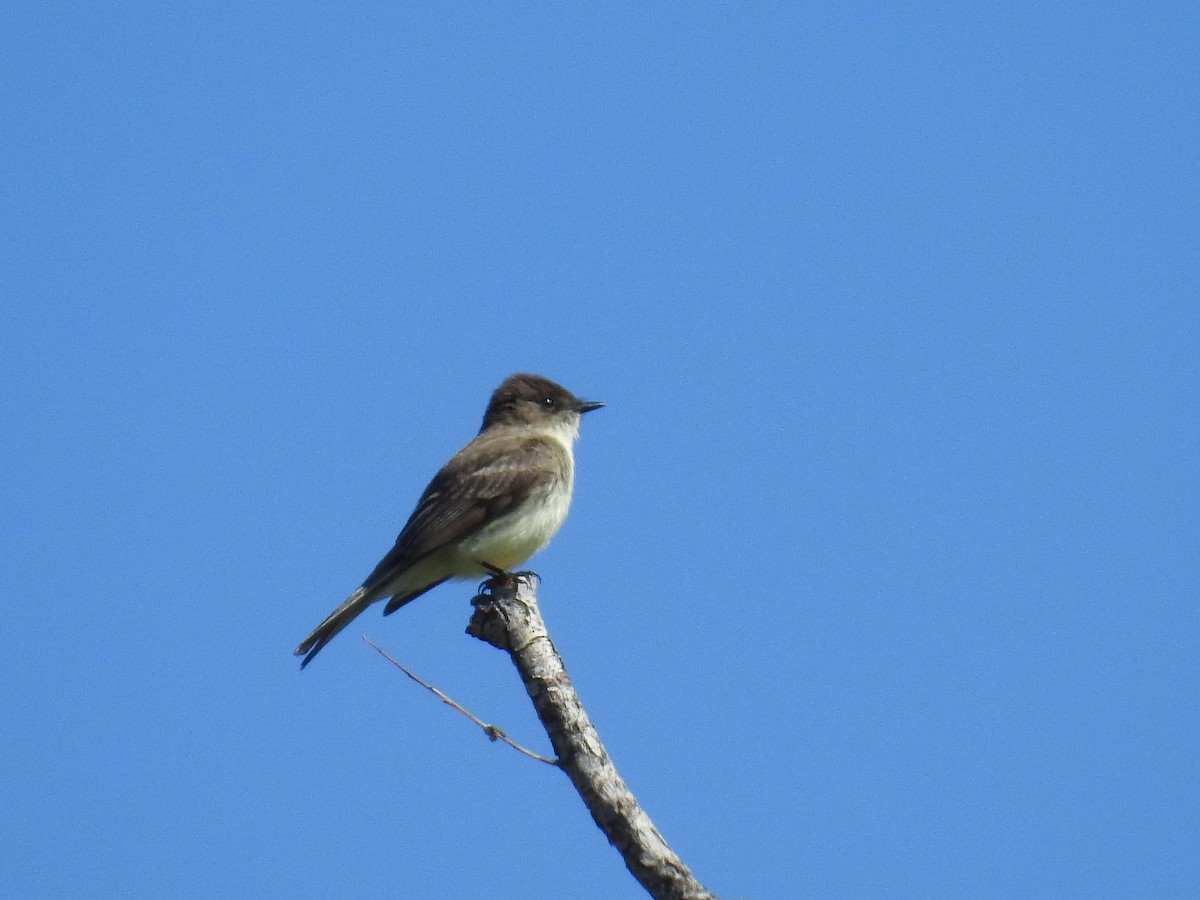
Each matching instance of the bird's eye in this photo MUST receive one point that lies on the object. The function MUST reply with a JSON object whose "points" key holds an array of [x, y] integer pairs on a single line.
{"points": [[548, 402]]}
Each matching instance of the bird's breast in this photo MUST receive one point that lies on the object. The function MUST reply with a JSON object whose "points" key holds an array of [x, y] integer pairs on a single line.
{"points": [[522, 532]]}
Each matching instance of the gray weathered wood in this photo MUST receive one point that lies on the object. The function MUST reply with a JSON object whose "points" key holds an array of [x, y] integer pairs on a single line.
{"points": [[508, 618]]}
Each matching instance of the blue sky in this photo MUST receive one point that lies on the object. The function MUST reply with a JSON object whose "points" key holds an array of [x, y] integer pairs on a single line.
{"points": [[880, 579]]}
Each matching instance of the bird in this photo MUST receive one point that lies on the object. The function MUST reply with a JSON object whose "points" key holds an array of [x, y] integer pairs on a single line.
{"points": [[495, 503]]}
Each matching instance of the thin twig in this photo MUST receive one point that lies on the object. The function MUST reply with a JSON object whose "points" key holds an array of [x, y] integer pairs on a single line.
{"points": [[493, 732]]}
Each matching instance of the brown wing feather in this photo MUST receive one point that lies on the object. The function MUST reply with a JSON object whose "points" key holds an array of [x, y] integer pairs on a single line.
{"points": [[460, 499]]}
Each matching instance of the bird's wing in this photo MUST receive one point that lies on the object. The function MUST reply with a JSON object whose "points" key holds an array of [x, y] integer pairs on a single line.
{"points": [[462, 498]]}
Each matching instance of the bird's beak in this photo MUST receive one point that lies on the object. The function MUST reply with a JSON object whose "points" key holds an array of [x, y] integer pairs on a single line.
{"points": [[588, 405]]}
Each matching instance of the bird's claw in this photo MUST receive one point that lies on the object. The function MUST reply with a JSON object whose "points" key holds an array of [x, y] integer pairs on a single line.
{"points": [[500, 577]]}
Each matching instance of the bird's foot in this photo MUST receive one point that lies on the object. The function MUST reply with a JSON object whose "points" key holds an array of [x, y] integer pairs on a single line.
{"points": [[501, 578], [528, 576]]}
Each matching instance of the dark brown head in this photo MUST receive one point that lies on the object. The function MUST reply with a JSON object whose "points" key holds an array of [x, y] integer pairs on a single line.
{"points": [[525, 399]]}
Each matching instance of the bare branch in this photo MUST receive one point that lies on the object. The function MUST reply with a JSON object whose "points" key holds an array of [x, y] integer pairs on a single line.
{"points": [[493, 732], [508, 618]]}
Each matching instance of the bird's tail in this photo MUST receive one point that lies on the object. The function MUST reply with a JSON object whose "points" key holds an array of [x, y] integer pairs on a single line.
{"points": [[334, 622]]}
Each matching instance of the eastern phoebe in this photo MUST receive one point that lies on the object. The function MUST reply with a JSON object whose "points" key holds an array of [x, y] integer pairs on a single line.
{"points": [[497, 502]]}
